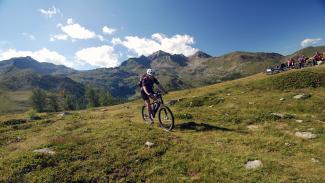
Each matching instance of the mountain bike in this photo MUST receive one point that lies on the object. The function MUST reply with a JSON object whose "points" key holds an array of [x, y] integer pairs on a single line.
{"points": [[165, 115]]}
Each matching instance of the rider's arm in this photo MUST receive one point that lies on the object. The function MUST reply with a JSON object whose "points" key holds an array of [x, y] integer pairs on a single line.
{"points": [[146, 91]]}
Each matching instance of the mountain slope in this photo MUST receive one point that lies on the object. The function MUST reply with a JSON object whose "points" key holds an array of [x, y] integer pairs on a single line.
{"points": [[178, 71], [219, 128], [28, 63]]}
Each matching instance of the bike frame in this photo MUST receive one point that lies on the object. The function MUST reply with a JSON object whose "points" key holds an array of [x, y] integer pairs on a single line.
{"points": [[159, 102]]}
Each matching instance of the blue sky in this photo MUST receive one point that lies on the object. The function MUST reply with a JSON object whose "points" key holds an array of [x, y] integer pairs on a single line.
{"points": [[102, 33]]}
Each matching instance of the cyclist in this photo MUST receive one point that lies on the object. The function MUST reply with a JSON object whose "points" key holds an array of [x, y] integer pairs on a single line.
{"points": [[146, 84]]}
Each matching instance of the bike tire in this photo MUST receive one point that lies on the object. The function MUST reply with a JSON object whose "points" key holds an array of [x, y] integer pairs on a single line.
{"points": [[165, 110]]}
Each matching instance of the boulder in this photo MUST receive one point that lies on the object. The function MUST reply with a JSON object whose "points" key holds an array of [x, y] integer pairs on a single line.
{"points": [[305, 135], [45, 151], [149, 144], [253, 164], [301, 96]]}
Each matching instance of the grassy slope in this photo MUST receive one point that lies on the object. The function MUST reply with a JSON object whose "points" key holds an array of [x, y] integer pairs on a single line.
{"points": [[13, 101], [211, 146]]}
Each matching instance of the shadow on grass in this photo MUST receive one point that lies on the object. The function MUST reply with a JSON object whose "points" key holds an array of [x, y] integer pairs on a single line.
{"points": [[198, 127]]}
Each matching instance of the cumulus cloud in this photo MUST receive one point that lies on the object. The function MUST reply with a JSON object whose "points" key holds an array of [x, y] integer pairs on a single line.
{"points": [[59, 37], [177, 44], [107, 30], [42, 55], [51, 12], [310, 41], [103, 56], [70, 21], [76, 31], [30, 36]]}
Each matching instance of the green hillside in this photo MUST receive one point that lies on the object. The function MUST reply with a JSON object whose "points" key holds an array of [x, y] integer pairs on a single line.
{"points": [[219, 128]]}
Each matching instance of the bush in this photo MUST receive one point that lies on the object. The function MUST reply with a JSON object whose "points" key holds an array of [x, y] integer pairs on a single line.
{"points": [[32, 114]]}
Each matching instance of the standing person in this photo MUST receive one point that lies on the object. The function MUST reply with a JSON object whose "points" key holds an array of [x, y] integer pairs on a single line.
{"points": [[302, 60], [317, 57], [290, 62], [146, 84]]}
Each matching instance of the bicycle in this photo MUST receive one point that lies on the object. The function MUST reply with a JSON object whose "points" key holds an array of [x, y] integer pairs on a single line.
{"points": [[165, 115]]}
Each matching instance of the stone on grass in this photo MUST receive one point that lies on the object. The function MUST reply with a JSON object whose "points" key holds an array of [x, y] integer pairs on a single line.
{"points": [[62, 114], [252, 127], [253, 164], [282, 99], [149, 144], [301, 96], [251, 103], [305, 135], [299, 121], [314, 160], [45, 151]]}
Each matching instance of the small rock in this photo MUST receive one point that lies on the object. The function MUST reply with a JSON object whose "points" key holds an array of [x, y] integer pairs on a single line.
{"points": [[253, 164], [252, 127], [251, 103], [282, 99], [211, 106], [301, 96], [314, 160], [299, 121], [62, 114], [149, 144], [288, 144], [228, 94], [45, 151], [305, 135]]}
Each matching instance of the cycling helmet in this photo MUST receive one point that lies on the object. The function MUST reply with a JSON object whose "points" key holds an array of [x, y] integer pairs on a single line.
{"points": [[150, 72]]}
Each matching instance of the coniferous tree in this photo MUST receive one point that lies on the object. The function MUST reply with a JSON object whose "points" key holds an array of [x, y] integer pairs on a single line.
{"points": [[38, 100]]}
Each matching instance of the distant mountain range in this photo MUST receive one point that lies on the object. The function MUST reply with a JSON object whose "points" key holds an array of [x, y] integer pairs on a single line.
{"points": [[175, 71]]}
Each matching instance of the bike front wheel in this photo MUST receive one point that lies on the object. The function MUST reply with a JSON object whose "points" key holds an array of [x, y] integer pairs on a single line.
{"points": [[166, 118], [145, 115]]}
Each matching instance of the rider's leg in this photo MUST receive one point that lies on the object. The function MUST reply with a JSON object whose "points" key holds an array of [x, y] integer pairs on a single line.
{"points": [[147, 102]]}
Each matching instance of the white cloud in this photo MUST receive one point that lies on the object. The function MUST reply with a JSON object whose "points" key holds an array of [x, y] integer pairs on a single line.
{"points": [[70, 21], [76, 31], [59, 37], [177, 44], [103, 56], [51, 12], [42, 55], [310, 41], [101, 38], [107, 30], [30, 36]]}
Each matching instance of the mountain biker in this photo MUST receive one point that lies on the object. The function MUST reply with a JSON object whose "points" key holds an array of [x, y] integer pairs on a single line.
{"points": [[146, 84]]}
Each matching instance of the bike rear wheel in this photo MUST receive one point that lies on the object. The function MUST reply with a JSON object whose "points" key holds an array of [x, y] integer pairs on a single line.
{"points": [[166, 118]]}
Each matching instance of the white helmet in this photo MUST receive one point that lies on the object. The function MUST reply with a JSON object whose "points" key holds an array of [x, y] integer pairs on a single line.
{"points": [[151, 72]]}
